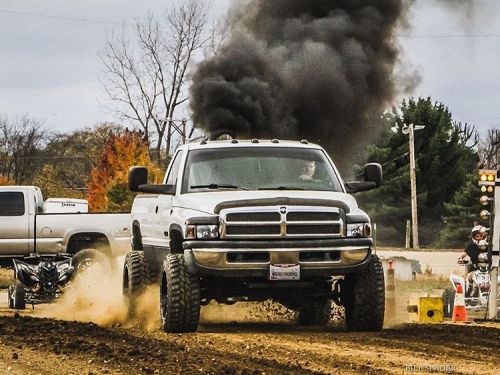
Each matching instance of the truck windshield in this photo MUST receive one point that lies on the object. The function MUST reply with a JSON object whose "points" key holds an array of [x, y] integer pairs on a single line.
{"points": [[259, 168]]}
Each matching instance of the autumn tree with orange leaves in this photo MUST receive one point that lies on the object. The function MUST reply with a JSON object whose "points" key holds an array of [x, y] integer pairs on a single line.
{"points": [[6, 181], [108, 189]]}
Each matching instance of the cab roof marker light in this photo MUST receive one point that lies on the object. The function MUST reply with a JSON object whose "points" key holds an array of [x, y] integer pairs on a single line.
{"points": [[274, 140], [304, 141], [255, 140]]}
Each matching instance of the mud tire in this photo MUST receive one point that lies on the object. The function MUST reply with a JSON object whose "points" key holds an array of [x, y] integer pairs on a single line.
{"points": [[364, 298], [179, 296], [85, 258], [448, 302], [17, 296], [315, 313], [136, 277]]}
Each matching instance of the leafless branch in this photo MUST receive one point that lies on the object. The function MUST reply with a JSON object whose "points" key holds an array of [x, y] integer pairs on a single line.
{"points": [[20, 141], [489, 150], [467, 133], [145, 77]]}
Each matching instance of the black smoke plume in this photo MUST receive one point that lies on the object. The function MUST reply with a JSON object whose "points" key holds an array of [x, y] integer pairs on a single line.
{"points": [[313, 69]]}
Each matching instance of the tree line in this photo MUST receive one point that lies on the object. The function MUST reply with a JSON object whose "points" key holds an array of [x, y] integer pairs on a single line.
{"points": [[448, 155], [91, 163]]}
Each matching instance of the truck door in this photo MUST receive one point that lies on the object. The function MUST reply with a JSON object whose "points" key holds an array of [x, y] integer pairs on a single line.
{"points": [[164, 204], [15, 230]]}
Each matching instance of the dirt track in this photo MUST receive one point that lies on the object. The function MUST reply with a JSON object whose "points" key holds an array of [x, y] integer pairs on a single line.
{"points": [[239, 339], [46, 346]]}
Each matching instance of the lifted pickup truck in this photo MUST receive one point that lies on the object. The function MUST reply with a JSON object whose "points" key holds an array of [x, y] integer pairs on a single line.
{"points": [[251, 221], [26, 229]]}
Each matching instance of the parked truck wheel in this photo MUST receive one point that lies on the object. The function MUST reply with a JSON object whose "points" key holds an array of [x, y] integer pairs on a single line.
{"points": [[17, 296], [315, 313], [86, 258], [179, 296], [136, 277], [364, 298]]}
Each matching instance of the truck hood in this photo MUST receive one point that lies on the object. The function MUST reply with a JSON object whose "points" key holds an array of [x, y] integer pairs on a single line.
{"points": [[206, 202]]}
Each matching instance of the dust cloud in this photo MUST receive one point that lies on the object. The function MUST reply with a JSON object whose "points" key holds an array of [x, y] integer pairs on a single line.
{"points": [[95, 295]]}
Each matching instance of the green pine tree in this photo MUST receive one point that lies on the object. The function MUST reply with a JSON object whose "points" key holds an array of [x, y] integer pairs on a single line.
{"points": [[461, 215], [443, 164]]}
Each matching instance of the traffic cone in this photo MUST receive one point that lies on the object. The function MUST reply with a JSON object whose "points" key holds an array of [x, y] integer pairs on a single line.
{"points": [[459, 310]]}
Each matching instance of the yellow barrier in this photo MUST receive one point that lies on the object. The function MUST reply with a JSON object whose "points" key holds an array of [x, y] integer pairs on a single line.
{"points": [[426, 309]]}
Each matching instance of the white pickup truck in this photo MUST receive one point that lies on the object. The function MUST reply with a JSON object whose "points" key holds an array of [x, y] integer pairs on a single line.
{"points": [[254, 220], [25, 228]]}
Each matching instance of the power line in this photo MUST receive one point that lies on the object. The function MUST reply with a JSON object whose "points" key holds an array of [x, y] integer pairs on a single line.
{"points": [[450, 36], [100, 21], [73, 19], [50, 157], [483, 119]]}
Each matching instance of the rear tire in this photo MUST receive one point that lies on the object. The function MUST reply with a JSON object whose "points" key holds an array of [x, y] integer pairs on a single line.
{"points": [[136, 277], [315, 313], [179, 296], [17, 296], [364, 298], [448, 302], [86, 258]]}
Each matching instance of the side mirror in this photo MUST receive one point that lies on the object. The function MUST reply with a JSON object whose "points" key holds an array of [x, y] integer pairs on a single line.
{"points": [[372, 179], [137, 176], [137, 182], [373, 173]]}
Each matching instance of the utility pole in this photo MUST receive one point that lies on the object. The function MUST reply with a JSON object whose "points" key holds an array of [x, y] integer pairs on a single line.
{"points": [[410, 129], [413, 185], [407, 236], [183, 134]]}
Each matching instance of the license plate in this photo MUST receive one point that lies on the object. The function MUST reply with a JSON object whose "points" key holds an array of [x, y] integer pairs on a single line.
{"points": [[284, 272]]}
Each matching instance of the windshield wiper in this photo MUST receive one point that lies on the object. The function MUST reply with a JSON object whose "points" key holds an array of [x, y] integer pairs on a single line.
{"points": [[217, 186], [281, 188]]}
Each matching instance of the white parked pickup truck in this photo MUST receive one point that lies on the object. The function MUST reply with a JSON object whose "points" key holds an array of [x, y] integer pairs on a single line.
{"points": [[25, 228], [255, 220]]}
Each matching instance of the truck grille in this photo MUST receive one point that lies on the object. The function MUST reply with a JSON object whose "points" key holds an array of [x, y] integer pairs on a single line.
{"points": [[281, 222]]}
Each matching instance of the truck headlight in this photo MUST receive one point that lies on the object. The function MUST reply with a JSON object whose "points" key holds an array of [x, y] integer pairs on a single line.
{"points": [[359, 230], [202, 232]]}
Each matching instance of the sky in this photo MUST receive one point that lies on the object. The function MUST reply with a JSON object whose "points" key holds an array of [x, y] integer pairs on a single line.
{"points": [[49, 64]]}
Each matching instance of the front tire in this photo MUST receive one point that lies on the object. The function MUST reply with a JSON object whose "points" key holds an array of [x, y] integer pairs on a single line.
{"points": [[17, 296], [179, 296], [364, 298], [136, 277]]}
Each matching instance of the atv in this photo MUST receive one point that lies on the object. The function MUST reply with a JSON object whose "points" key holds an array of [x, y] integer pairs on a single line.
{"points": [[476, 293], [39, 279]]}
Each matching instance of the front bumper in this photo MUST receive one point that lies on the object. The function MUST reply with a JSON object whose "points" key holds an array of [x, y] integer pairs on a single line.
{"points": [[317, 258]]}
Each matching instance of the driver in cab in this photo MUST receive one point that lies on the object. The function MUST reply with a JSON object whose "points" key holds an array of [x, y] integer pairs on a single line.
{"points": [[308, 170]]}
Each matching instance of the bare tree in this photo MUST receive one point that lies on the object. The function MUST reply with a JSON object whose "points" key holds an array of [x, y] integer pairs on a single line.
{"points": [[21, 141], [219, 35], [489, 150], [146, 75], [467, 133]]}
